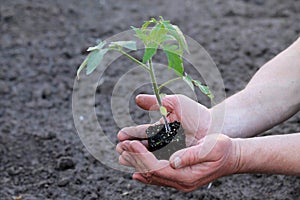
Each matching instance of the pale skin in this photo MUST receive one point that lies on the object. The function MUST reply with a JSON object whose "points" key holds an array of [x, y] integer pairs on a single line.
{"points": [[220, 149]]}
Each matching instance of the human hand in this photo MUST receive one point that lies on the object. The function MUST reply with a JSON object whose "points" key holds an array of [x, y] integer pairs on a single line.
{"points": [[194, 118], [212, 157]]}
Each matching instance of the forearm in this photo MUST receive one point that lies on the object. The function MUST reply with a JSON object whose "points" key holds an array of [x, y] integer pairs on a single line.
{"points": [[272, 96], [278, 154]]}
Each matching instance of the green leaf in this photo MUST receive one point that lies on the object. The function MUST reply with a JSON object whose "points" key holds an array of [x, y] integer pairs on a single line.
{"points": [[149, 52], [177, 34], [166, 38], [125, 44], [163, 110], [174, 59], [98, 47], [172, 48], [189, 81], [146, 24], [158, 33], [140, 34], [175, 62], [204, 89], [82, 66], [181, 39], [94, 59]]}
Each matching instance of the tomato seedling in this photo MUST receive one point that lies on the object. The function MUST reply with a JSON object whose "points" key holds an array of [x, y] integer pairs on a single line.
{"points": [[155, 34]]}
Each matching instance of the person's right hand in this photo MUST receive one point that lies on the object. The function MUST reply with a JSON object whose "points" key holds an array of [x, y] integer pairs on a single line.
{"points": [[213, 156], [194, 118]]}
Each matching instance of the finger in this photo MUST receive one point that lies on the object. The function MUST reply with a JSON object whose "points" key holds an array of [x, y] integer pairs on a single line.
{"points": [[119, 148], [154, 180], [131, 160], [141, 157], [145, 143], [167, 177], [202, 152], [146, 162], [128, 156], [139, 177], [133, 132], [149, 102], [185, 157], [124, 162], [148, 180], [122, 146], [179, 179], [158, 180]]}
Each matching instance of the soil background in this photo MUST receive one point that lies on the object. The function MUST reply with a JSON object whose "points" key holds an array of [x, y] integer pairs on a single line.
{"points": [[43, 42]]}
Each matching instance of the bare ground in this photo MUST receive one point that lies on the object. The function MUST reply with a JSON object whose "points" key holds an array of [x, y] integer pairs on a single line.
{"points": [[43, 42]]}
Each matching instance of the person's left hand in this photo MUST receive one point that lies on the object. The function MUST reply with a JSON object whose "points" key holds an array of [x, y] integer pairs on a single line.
{"points": [[214, 156], [194, 118]]}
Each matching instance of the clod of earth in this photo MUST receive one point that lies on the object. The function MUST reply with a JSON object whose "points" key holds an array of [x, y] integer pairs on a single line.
{"points": [[164, 143], [65, 163]]}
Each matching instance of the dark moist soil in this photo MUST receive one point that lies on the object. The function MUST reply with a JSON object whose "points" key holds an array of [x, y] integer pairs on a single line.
{"points": [[43, 42], [164, 143]]}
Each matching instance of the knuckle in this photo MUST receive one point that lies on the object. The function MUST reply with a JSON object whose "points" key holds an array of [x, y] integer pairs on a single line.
{"points": [[223, 141], [120, 160], [154, 173], [174, 99], [193, 156], [189, 183], [118, 148], [125, 155], [178, 98], [189, 157]]}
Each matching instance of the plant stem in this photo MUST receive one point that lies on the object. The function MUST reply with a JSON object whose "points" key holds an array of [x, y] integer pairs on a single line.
{"points": [[133, 59], [152, 76], [167, 82], [156, 92]]}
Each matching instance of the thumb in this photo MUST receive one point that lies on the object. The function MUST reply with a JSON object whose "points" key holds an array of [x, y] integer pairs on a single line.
{"points": [[186, 157], [149, 102], [208, 149]]}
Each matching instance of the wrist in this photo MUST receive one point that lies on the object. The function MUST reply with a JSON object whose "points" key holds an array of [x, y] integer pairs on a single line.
{"points": [[236, 156], [269, 154], [204, 122], [252, 157]]}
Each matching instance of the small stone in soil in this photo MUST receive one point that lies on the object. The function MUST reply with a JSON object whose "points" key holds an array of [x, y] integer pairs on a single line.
{"points": [[14, 170], [63, 182], [65, 163]]}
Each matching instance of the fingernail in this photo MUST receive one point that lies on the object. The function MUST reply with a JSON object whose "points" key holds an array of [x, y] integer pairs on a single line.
{"points": [[138, 99], [177, 162]]}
